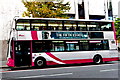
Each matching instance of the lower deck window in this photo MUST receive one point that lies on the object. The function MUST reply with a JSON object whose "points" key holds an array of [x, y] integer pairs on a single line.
{"points": [[82, 45], [99, 45], [40, 46], [105, 45], [58, 47], [72, 47], [95, 46]]}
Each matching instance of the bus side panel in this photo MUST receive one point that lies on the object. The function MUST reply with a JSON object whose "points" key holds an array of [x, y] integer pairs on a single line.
{"points": [[66, 57], [114, 55], [70, 57], [54, 58], [109, 35], [106, 55]]}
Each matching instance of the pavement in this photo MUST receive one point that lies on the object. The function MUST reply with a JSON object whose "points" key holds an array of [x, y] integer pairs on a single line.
{"points": [[3, 64]]}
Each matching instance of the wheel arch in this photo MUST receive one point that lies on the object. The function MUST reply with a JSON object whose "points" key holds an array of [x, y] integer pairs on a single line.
{"points": [[99, 55], [38, 58]]}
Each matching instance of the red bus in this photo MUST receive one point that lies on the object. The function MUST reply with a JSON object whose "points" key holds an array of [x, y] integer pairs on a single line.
{"points": [[50, 41]]}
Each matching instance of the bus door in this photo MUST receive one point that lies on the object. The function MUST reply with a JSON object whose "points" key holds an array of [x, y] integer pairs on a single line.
{"points": [[22, 53]]}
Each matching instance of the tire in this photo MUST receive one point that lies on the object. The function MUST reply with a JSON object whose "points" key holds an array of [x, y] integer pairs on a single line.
{"points": [[97, 59], [40, 62]]}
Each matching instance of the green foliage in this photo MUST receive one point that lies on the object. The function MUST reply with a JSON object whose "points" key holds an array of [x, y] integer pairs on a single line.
{"points": [[47, 9], [117, 26]]}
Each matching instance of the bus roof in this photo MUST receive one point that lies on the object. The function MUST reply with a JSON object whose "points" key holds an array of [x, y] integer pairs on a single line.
{"points": [[64, 19]]}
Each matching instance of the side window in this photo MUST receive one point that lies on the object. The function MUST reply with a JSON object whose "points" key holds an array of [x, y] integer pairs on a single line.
{"points": [[106, 26], [93, 26], [84, 45], [40, 46], [54, 25], [72, 47], [95, 45], [20, 27], [105, 45], [23, 24], [37, 25], [81, 26], [96, 35], [99, 45], [69, 25], [57, 46]]}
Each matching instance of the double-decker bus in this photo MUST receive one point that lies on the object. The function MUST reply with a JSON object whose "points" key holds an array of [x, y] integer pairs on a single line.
{"points": [[50, 41]]}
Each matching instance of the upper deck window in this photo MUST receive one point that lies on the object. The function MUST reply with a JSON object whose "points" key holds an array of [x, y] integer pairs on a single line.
{"points": [[69, 25], [93, 26], [81, 26], [62, 25], [54, 25], [38, 25], [23, 25], [99, 26], [106, 26]]}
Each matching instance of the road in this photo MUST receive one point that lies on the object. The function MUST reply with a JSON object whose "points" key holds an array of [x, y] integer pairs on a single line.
{"points": [[109, 70]]}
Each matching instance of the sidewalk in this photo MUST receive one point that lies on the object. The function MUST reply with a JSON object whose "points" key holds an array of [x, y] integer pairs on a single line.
{"points": [[3, 64]]}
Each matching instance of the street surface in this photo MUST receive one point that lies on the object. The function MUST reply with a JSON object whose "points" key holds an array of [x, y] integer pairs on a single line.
{"points": [[106, 70]]}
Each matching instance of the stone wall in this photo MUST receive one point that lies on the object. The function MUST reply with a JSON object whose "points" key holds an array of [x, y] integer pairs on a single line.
{"points": [[0, 50], [4, 49]]}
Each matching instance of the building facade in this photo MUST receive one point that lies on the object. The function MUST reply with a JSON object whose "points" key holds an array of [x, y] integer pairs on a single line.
{"points": [[93, 9], [80, 9]]}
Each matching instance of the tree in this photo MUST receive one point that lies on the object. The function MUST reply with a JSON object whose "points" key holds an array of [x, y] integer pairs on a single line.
{"points": [[117, 26], [48, 9]]}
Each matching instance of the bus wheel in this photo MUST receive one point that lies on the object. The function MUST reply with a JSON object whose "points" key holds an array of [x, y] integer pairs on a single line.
{"points": [[97, 59], [40, 62]]}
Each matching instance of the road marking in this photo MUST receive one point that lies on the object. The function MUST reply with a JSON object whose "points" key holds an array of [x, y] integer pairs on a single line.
{"points": [[109, 70], [57, 68], [47, 75]]}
